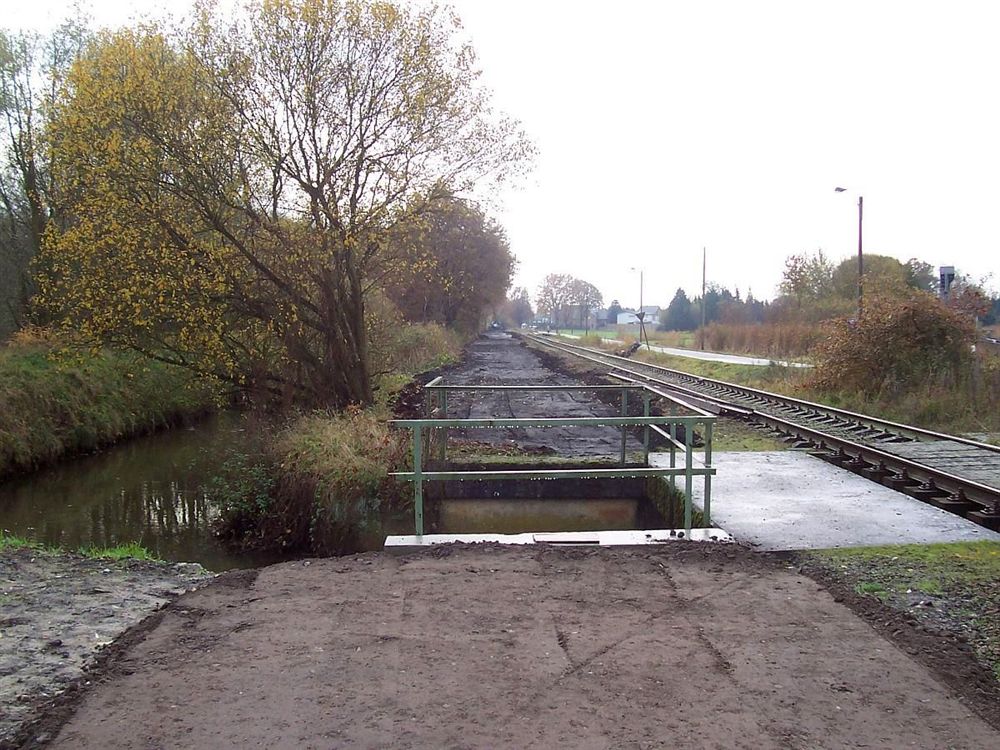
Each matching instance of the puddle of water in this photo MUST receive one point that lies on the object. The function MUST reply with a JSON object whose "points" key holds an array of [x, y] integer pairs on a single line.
{"points": [[149, 490], [489, 516]]}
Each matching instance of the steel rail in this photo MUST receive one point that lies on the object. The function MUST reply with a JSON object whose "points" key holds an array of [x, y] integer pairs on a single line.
{"points": [[964, 496], [875, 422]]}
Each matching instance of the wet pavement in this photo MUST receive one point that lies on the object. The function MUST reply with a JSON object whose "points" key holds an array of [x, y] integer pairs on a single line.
{"points": [[789, 500]]}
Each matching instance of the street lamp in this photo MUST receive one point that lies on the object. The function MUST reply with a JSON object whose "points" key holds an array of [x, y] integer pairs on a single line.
{"points": [[861, 262], [640, 314]]}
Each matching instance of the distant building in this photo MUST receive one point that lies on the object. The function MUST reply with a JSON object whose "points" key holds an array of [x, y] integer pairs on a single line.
{"points": [[631, 317]]}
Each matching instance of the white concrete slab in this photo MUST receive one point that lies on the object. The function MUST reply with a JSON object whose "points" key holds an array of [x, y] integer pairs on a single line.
{"points": [[629, 538], [786, 500]]}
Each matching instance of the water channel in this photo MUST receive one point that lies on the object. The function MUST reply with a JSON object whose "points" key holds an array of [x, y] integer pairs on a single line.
{"points": [[150, 489], [154, 490]]}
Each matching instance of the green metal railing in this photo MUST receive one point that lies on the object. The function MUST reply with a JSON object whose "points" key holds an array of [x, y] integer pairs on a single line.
{"points": [[437, 422]]}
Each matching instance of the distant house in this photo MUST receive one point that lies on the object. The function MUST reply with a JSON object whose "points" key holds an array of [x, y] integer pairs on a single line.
{"points": [[631, 317]]}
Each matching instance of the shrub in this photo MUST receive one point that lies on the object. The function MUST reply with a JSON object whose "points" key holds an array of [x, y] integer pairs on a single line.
{"points": [[895, 344], [325, 477], [243, 490]]}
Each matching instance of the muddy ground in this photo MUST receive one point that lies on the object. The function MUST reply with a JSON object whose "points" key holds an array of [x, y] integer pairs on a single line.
{"points": [[57, 611], [500, 359], [473, 647]]}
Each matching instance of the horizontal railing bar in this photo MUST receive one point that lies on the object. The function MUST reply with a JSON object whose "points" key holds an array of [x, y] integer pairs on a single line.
{"points": [[663, 394], [666, 435], [554, 473], [552, 421], [434, 383]]}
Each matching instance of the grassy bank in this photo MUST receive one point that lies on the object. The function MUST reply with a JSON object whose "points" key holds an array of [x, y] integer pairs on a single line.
{"points": [[130, 551], [53, 404], [947, 587]]}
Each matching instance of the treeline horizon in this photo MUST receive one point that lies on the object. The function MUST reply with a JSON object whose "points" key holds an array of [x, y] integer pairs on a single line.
{"points": [[812, 289]]}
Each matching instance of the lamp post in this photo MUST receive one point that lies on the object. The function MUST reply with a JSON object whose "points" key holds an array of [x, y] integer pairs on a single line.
{"points": [[861, 260], [640, 315]]}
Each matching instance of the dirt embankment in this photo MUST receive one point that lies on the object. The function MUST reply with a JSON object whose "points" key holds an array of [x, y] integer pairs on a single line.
{"points": [[58, 611]]}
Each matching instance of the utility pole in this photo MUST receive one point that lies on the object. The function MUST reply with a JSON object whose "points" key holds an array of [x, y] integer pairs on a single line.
{"points": [[861, 257], [704, 264], [640, 315], [861, 260]]}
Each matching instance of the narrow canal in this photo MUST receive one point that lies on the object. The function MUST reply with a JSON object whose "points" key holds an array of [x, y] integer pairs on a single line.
{"points": [[157, 490], [152, 490]]}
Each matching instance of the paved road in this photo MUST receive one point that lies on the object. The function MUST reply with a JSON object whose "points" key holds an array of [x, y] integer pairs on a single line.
{"points": [[732, 359]]}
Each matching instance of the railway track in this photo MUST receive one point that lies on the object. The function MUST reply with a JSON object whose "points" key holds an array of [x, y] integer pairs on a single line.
{"points": [[956, 474]]}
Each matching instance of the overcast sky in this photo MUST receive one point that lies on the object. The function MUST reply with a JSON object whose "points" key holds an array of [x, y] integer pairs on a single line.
{"points": [[665, 127]]}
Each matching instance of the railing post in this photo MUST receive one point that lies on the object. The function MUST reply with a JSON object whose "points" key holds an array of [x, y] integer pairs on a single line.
{"points": [[624, 414], [673, 447], [688, 479], [418, 484], [444, 430], [645, 431], [708, 477]]}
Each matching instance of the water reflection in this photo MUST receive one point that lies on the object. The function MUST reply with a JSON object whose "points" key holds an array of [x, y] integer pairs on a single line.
{"points": [[151, 490]]}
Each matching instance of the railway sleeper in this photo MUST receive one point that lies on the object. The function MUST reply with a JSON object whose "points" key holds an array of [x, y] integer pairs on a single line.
{"points": [[988, 517], [876, 473], [956, 503], [857, 465], [900, 482], [928, 492], [841, 459]]}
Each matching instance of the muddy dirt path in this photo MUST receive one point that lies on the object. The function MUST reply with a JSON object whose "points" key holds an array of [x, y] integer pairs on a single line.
{"points": [[57, 611], [475, 647], [499, 359]]}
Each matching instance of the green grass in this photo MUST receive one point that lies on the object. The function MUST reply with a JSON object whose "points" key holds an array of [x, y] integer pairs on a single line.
{"points": [[53, 404], [976, 559], [959, 580], [130, 551], [870, 587], [12, 541], [734, 435]]}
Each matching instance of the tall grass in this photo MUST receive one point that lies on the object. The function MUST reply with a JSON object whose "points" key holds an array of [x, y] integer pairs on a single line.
{"points": [[967, 401], [322, 481], [763, 339], [53, 404], [964, 402]]}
